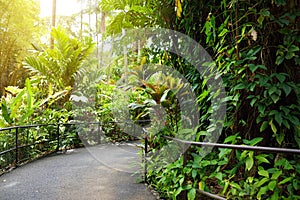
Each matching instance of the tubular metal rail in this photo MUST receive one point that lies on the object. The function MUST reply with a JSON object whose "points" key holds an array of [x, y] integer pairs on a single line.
{"points": [[57, 139], [16, 131], [218, 145]]}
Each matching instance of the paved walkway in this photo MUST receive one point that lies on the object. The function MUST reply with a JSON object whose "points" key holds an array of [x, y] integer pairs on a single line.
{"points": [[95, 173]]}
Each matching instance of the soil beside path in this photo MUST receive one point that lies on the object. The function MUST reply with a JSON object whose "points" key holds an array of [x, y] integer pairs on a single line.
{"points": [[102, 172]]}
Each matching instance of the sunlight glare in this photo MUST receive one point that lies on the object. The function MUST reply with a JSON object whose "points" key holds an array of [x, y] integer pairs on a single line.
{"points": [[63, 7]]}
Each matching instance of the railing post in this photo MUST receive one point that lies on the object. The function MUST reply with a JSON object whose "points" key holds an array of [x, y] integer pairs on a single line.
{"points": [[27, 136], [99, 134], [17, 145], [57, 134], [145, 157], [185, 155]]}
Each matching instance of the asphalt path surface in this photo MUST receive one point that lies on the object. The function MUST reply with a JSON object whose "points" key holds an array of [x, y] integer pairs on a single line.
{"points": [[99, 172]]}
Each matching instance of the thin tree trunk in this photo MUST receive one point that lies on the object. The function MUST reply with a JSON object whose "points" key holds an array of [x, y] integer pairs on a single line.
{"points": [[102, 30], [110, 56], [97, 37], [81, 19], [90, 8], [53, 21], [125, 60], [139, 51]]}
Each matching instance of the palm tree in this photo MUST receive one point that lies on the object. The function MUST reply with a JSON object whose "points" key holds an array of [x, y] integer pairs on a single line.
{"points": [[60, 65]]}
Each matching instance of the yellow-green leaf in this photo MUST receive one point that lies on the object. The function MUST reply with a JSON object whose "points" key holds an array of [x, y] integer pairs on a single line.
{"points": [[249, 163], [273, 127], [263, 126], [272, 185]]}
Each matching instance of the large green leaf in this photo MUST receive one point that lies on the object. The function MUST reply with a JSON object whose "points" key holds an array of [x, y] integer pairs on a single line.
{"points": [[30, 98], [6, 112], [249, 163], [16, 103]]}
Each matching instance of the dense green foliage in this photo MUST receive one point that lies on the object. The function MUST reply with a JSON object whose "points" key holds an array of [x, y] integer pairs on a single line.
{"points": [[61, 64], [19, 28], [255, 46]]}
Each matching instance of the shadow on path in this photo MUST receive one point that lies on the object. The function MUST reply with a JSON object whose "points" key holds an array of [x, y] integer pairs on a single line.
{"points": [[99, 172]]}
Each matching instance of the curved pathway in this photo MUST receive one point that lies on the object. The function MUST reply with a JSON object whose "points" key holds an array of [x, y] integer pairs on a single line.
{"points": [[99, 172]]}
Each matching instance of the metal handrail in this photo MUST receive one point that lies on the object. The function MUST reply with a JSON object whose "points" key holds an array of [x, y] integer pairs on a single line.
{"points": [[66, 124], [240, 147], [219, 145], [185, 142], [25, 126], [57, 125], [57, 137]]}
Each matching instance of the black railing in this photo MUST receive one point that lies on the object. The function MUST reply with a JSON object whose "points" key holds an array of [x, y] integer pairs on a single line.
{"points": [[56, 137], [218, 145], [17, 138]]}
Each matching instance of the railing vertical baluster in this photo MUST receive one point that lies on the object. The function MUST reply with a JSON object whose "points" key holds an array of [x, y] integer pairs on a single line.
{"points": [[27, 136], [134, 131], [185, 155], [99, 134], [57, 132], [145, 157], [17, 145]]}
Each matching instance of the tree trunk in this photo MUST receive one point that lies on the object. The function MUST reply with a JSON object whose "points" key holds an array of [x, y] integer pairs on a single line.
{"points": [[53, 21]]}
